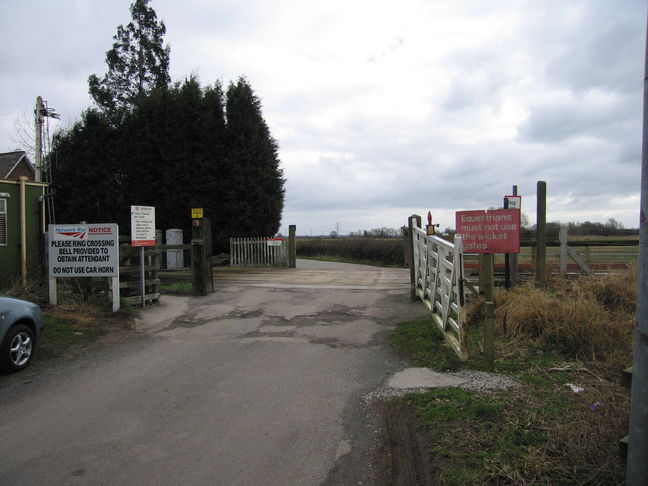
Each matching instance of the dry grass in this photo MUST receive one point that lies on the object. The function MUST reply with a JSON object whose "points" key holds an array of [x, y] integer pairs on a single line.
{"points": [[590, 318]]}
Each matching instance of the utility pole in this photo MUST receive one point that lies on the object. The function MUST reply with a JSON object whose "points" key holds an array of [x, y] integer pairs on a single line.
{"points": [[637, 470], [38, 161]]}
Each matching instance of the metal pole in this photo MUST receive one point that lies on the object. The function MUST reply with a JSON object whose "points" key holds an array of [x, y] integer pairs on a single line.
{"points": [[637, 469], [23, 231], [142, 276], [514, 256]]}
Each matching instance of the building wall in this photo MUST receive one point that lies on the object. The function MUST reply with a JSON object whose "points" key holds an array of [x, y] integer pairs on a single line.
{"points": [[10, 253], [23, 169]]}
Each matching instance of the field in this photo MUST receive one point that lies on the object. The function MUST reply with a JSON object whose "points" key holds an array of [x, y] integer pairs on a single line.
{"points": [[600, 253]]}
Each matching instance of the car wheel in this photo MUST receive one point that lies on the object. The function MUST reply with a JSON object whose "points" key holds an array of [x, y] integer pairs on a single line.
{"points": [[17, 348]]}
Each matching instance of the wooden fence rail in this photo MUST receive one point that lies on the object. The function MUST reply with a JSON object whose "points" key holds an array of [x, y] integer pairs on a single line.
{"points": [[438, 281], [258, 252]]}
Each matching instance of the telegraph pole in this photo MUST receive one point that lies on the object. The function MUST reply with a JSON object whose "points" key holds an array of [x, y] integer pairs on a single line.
{"points": [[38, 161], [637, 470]]}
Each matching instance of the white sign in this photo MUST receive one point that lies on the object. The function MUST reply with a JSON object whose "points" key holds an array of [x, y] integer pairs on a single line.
{"points": [[86, 250], [273, 242], [142, 226], [514, 202]]}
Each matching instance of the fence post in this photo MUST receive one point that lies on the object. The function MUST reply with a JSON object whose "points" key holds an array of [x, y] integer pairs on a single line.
{"points": [[410, 226], [201, 271], [292, 247], [489, 321], [541, 234], [563, 250]]}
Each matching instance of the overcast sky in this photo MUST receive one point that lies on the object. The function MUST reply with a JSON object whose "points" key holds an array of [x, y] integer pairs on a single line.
{"points": [[383, 109]]}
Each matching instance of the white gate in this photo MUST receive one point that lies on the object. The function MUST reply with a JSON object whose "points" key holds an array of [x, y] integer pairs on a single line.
{"points": [[258, 252], [438, 280]]}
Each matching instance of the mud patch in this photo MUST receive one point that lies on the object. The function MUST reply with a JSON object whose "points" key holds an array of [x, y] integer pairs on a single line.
{"points": [[405, 458]]}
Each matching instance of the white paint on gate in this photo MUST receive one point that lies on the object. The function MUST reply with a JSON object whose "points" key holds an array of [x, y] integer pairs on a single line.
{"points": [[438, 266]]}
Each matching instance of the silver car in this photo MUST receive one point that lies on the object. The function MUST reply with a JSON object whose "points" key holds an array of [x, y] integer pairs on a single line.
{"points": [[21, 324]]}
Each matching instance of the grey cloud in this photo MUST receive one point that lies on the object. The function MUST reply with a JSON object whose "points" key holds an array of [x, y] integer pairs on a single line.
{"points": [[581, 117]]}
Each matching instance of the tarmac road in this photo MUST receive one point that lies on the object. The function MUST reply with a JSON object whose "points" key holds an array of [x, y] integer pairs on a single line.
{"points": [[260, 383]]}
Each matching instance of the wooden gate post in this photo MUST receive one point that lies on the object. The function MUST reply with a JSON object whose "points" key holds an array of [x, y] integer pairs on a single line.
{"points": [[410, 225], [541, 234], [292, 246], [201, 251], [489, 320]]}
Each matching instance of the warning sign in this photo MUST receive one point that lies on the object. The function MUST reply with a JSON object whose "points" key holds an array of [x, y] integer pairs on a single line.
{"points": [[491, 231], [87, 250], [142, 226]]}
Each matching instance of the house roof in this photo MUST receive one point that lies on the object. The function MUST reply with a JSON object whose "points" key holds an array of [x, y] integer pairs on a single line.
{"points": [[9, 161]]}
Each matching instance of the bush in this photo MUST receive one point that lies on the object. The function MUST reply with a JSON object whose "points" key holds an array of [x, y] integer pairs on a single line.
{"points": [[376, 251]]}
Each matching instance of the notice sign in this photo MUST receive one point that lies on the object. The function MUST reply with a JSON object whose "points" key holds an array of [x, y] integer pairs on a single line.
{"points": [[491, 231], [86, 250], [273, 242], [142, 226]]}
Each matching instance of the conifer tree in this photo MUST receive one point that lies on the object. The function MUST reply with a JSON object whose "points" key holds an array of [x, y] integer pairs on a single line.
{"points": [[256, 183], [137, 63]]}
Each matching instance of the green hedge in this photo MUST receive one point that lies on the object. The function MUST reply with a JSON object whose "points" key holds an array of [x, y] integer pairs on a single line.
{"points": [[375, 251]]}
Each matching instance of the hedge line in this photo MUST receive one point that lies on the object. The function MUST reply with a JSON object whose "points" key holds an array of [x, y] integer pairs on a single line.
{"points": [[376, 251]]}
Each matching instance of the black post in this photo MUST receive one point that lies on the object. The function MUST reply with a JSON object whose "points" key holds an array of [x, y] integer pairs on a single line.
{"points": [[201, 252], [292, 246]]}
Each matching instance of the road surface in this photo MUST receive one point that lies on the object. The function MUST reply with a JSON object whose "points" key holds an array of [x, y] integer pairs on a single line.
{"points": [[260, 383]]}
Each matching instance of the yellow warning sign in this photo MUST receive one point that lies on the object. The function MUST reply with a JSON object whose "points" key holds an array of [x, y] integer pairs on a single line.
{"points": [[196, 213]]}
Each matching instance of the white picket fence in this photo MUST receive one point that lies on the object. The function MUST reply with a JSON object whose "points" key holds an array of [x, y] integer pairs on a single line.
{"points": [[258, 252], [439, 281]]}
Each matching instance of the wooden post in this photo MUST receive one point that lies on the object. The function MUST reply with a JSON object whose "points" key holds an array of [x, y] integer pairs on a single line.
{"points": [[489, 321], [414, 219], [201, 278], [483, 274], [563, 250], [292, 246], [541, 234], [489, 336]]}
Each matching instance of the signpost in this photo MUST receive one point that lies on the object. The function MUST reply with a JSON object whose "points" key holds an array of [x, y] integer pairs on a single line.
{"points": [[83, 250], [489, 232], [142, 235]]}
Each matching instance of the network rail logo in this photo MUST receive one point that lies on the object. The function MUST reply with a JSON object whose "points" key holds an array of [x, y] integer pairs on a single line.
{"points": [[74, 232]]}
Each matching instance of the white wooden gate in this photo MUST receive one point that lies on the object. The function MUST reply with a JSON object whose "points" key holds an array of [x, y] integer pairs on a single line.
{"points": [[438, 279], [258, 252]]}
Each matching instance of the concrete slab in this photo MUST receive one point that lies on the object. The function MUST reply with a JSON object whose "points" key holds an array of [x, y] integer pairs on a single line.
{"points": [[423, 378]]}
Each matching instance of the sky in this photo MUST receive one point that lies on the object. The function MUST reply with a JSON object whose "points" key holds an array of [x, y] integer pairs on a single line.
{"points": [[384, 109]]}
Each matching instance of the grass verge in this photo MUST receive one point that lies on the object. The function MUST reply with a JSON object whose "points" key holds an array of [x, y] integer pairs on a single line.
{"points": [[176, 288], [64, 334], [563, 423]]}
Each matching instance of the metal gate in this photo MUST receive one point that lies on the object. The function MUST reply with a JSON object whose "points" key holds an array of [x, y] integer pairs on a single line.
{"points": [[258, 252], [438, 280]]}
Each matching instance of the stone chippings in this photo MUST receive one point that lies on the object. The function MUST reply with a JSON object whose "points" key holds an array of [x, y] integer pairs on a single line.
{"points": [[476, 381], [482, 381]]}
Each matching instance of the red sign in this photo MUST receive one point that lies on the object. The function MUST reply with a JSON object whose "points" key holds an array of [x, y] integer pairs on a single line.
{"points": [[491, 231]]}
